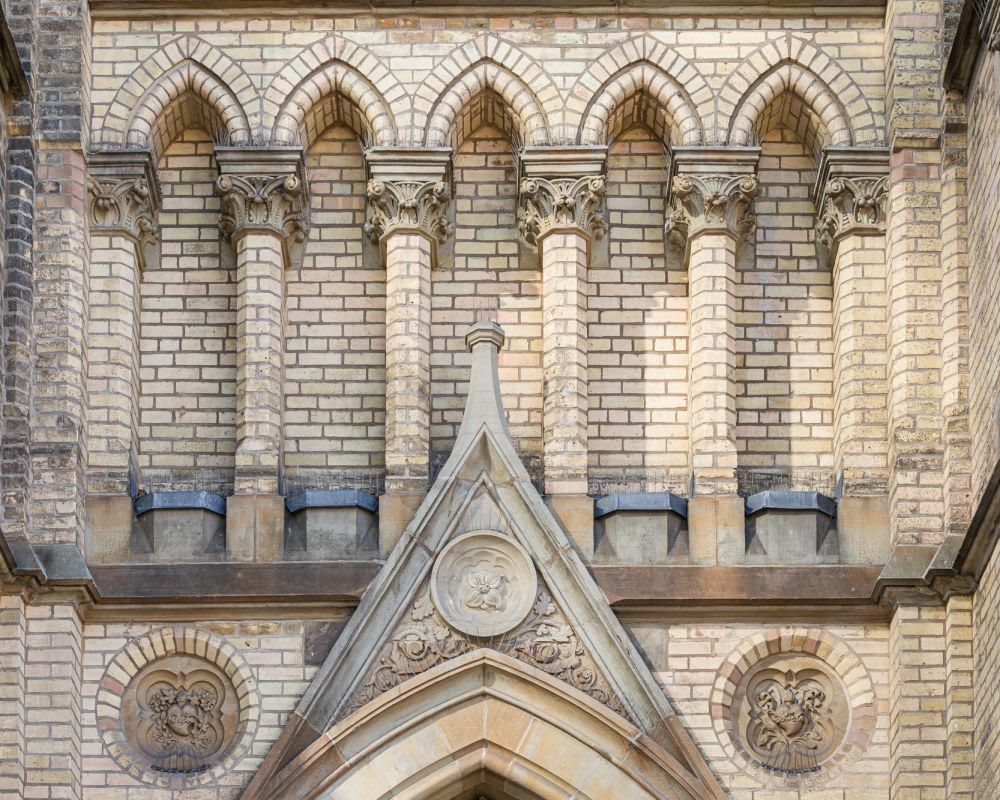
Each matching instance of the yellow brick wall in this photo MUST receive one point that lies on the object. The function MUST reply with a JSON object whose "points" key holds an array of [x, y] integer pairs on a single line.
{"points": [[984, 278], [188, 323]]}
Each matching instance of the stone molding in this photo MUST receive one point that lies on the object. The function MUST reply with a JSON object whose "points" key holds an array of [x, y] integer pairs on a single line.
{"points": [[718, 203], [564, 203], [405, 205], [124, 197]]}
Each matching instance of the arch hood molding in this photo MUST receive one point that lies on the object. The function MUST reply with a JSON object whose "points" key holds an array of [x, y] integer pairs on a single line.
{"points": [[484, 655]]}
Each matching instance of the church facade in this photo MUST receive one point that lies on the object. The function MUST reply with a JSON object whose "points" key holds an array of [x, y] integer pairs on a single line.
{"points": [[559, 401]]}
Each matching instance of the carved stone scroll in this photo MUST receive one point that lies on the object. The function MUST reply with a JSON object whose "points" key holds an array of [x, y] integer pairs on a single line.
{"points": [[272, 203], [850, 206], [394, 205], [125, 206], [711, 203]]}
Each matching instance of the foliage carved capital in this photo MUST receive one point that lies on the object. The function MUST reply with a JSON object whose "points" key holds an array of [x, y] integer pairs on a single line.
{"points": [[268, 203], [412, 205], [850, 206], [576, 203], [123, 205], [712, 204]]}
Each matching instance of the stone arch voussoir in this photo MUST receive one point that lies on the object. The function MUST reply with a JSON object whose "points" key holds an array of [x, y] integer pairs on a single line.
{"points": [[487, 63], [367, 96]]}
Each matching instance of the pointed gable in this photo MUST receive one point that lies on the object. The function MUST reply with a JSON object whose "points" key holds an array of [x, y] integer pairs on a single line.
{"points": [[483, 565]]}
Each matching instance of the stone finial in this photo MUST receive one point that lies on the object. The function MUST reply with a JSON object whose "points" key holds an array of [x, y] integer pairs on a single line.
{"points": [[484, 404], [850, 205], [408, 205], [271, 203], [547, 205], [711, 203], [123, 205]]}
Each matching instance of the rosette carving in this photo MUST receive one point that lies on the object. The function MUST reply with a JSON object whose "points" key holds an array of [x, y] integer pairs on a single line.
{"points": [[570, 203], [850, 206], [123, 206], [263, 203], [711, 203], [408, 204]]}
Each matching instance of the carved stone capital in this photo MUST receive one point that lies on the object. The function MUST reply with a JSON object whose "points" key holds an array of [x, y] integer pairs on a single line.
{"points": [[123, 197], [714, 203], [271, 203], [395, 205], [575, 203], [123, 205], [850, 206]]}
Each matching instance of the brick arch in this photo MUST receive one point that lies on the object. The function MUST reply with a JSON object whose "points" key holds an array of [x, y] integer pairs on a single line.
{"points": [[797, 98], [149, 76], [510, 83], [334, 81], [803, 54], [187, 96], [640, 64], [642, 94]]}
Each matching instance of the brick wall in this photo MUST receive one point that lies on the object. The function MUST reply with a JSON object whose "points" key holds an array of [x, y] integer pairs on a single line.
{"points": [[188, 323], [984, 279], [637, 327], [784, 397], [335, 322]]}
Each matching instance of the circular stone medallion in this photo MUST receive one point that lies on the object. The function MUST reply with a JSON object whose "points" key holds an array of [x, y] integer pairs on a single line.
{"points": [[484, 584]]}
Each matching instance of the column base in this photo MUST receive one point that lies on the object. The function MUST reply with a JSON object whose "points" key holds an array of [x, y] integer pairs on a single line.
{"points": [[395, 510], [717, 529], [255, 527], [575, 512]]}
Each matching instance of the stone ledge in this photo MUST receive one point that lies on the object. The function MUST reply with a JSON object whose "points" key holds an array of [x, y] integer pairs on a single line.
{"points": [[736, 585]]}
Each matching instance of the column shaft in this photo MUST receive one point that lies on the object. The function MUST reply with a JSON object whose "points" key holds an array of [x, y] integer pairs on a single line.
{"points": [[407, 360], [860, 413], [259, 349], [564, 312], [712, 345]]}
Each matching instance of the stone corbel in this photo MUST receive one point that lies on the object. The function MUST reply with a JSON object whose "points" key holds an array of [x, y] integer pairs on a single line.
{"points": [[562, 188], [124, 198], [264, 190], [409, 190], [850, 197]]}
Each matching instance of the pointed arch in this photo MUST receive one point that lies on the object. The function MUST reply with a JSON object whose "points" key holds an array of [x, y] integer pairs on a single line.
{"points": [[518, 93], [641, 64], [187, 96], [484, 719], [807, 57], [797, 98], [217, 75], [644, 94], [334, 81]]}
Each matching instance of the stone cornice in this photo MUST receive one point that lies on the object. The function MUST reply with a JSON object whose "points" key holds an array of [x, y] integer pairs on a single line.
{"points": [[850, 196], [124, 197], [264, 190], [561, 204]]}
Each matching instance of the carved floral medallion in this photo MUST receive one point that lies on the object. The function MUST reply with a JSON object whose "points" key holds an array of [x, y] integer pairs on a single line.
{"points": [[177, 708], [484, 584]]}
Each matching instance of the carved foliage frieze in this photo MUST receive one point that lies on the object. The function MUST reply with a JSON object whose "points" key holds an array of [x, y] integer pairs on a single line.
{"points": [[533, 629]]}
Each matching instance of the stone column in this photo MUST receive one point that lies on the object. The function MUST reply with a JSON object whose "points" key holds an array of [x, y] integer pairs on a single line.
{"points": [[123, 197], [850, 235], [561, 212], [263, 213], [710, 210], [408, 199]]}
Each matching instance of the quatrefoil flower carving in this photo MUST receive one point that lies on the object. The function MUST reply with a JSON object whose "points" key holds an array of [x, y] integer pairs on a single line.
{"points": [[486, 590]]}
